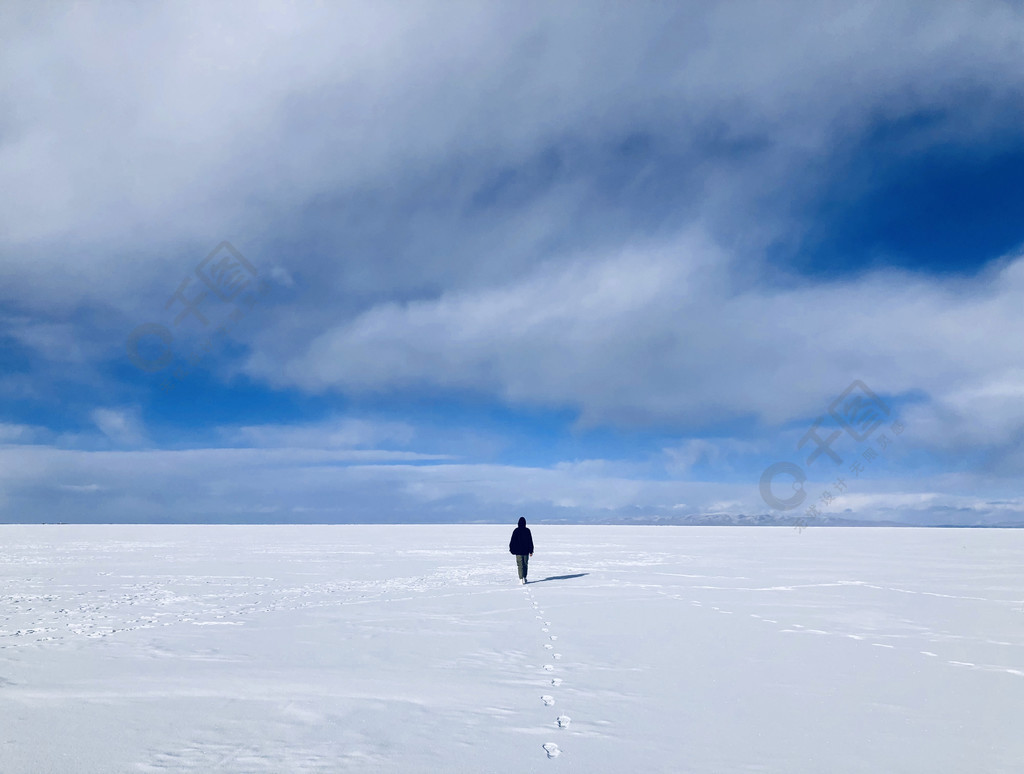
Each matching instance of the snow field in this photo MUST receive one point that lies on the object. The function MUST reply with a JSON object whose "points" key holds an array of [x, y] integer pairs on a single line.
{"points": [[414, 649]]}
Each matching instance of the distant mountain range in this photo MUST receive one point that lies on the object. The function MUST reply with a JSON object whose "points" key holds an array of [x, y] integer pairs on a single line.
{"points": [[784, 520]]}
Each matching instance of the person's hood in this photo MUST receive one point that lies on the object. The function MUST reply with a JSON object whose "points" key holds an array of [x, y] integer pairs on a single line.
{"points": [[522, 521]]}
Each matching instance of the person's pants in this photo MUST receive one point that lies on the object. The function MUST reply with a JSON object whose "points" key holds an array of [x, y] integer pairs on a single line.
{"points": [[521, 561]]}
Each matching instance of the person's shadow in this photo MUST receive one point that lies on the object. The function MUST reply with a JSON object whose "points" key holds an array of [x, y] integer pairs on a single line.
{"points": [[561, 577]]}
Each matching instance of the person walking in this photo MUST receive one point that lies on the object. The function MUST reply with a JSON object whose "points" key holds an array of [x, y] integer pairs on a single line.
{"points": [[521, 545]]}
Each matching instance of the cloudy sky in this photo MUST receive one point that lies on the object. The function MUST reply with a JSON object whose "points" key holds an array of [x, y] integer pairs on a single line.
{"points": [[467, 261]]}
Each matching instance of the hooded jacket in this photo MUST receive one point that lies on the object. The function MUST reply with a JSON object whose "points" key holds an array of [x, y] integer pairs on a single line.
{"points": [[522, 541]]}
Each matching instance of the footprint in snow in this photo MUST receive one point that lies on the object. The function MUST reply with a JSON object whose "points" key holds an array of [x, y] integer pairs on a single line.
{"points": [[545, 629], [548, 646], [563, 721], [553, 637], [556, 681], [548, 700], [552, 750], [556, 656], [549, 667]]}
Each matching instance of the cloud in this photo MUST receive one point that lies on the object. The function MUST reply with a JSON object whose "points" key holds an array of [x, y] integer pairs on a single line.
{"points": [[986, 409], [164, 130], [16, 433], [282, 485], [716, 453], [570, 206], [122, 426], [663, 335], [81, 487], [340, 433]]}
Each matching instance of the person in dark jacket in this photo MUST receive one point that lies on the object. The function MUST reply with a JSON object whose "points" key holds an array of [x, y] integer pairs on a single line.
{"points": [[521, 545]]}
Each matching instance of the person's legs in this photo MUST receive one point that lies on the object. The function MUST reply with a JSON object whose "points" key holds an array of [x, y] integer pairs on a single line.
{"points": [[526, 562], [521, 566]]}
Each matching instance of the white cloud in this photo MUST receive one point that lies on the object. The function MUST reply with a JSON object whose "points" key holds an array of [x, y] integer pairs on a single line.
{"points": [[82, 487], [17, 433], [661, 335], [56, 341], [338, 433], [46, 484], [715, 452], [122, 426]]}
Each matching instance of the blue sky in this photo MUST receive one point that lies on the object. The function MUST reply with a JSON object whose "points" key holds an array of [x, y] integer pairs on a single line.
{"points": [[575, 261]]}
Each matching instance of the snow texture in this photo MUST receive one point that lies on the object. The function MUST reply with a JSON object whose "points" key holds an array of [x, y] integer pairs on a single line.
{"points": [[414, 649]]}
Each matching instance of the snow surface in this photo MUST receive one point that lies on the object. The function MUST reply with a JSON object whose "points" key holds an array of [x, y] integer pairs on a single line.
{"points": [[414, 649]]}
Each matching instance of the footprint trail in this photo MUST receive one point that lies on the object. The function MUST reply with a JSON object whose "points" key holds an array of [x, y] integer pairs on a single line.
{"points": [[561, 721]]}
